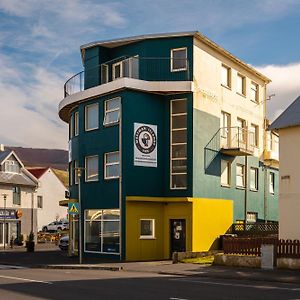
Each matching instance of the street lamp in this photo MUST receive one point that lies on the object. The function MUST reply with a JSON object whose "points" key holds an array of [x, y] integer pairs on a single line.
{"points": [[78, 172], [4, 218]]}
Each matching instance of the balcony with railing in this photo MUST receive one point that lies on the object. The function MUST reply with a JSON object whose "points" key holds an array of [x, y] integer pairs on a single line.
{"points": [[141, 68], [237, 141]]}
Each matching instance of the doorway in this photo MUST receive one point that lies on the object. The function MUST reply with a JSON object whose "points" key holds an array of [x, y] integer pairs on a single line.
{"points": [[178, 235]]}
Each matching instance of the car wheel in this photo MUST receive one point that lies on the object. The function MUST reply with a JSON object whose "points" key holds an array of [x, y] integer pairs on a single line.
{"points": [[58, 228], [45, 229]]}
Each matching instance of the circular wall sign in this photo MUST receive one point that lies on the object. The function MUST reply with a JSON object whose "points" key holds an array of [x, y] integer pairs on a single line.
{"points": [[145, 139]]}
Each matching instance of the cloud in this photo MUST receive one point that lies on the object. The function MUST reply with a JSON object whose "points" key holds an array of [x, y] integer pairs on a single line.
{"points": [[285, 85]]}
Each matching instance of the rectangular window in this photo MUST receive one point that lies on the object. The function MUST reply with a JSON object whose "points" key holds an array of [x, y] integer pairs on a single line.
{"points": [[240, 176], [111, 165], [117, 70], [178, 163], [71, 173], [40, 201], [91, 117], [112, 111], [11, 166], [242, 134], [254, 92], [225, 129], [91, 168], [147, 229], [104, 73], [16, 195], [271, 182], [76, 123], [178, 59], [254, 179], [225, 172], [71, 127], [254, 135], [102, 231], [226, 76], [76, 178], [241, 84]]}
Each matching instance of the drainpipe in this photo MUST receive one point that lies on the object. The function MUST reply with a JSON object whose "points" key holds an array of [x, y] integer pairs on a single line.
{"points": [[120, 181], [246, 189], [265, 193]]}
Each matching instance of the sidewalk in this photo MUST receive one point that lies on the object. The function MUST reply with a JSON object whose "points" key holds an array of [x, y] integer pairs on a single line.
{"points": [[52, 258]]}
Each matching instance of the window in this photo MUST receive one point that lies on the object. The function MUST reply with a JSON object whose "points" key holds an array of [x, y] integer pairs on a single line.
{"points": [[147, 229], [102, 231], [226, 76], [117, 70], [111, 165], [178, 59], [254, 92], [40, 201], [241, 84], [91, 168], [112, 111], [76, 178], [254, 137], [91, 117], [253, 179], [76, 123], [104, 73], [16, 195], [225, 129], [11, 166], [271, 182], [225, 172], [251, 217], [242, 134], [71, 127], [240, 176], [71, 173], [178, 164]]}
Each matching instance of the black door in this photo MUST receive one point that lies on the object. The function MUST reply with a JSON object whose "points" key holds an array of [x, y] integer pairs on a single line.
{"points": [[178, 235]]}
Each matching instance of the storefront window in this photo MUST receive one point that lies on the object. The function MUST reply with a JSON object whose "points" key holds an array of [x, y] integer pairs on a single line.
{"points": [[102, 233]]}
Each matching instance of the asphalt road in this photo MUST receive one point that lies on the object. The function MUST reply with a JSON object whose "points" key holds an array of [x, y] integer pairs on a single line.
{"points": [[23, 283]]}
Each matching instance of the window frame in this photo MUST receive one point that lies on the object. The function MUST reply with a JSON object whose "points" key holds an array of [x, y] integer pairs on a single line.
{"points": [[256, 100], [256, 182], [16, 191], [76, 123], [86, 168], [119, 63], [272, 183], [39, 197], [228, 166], [244, 90], [76, 178], [243, 176], [177, 144], [71, 127], [256, 135], [228, 84], [86, 119], [172, 59], [111, 164], [147, 237], [107, 111]]}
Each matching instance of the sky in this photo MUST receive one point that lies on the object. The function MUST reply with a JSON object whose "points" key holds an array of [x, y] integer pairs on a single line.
{"points": [[40, 41]]}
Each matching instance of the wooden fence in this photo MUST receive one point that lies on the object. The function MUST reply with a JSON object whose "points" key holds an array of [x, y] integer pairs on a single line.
{"points": [[252, 246]]}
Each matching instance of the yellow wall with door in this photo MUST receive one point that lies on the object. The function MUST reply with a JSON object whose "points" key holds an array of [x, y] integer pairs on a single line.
{"points": [[211, 218]]}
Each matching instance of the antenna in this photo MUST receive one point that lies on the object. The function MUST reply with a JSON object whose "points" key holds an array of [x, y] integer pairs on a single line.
{"points": [[270, 97]]}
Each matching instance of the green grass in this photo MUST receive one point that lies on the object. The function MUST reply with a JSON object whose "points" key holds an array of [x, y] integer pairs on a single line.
{"points": [[206, 260]]}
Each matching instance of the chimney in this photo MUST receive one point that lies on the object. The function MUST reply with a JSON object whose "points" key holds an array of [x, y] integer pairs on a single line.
{"points": [[1, 147]]}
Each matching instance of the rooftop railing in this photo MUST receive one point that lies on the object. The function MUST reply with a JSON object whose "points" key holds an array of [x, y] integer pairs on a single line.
{"points": [[143, 68]]}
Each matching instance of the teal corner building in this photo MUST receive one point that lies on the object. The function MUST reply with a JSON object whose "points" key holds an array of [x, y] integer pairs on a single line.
{"points": [[169, 133]]}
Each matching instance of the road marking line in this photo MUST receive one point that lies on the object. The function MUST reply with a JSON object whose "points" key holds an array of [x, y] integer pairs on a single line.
{"points": [[25, 279], [174, 298], [238, 285], [10, 267]]}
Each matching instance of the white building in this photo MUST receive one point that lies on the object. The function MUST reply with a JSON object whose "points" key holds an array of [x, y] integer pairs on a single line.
{"points": [[49, 192]]}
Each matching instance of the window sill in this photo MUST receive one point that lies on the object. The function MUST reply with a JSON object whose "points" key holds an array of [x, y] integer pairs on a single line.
{"points": [[90, 129], [91, 180], [111, 124], [226, 185], [178, 70], [226, 86], [253, 190], [111, 178], [242, 95], [240, 187], [254, 101], [147, 238]]}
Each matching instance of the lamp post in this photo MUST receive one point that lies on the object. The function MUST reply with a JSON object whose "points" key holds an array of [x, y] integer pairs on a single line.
{"points": [[4, 219]]}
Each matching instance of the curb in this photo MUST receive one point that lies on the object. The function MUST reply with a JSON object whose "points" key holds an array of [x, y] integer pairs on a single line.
{"points": [[75, 267]]}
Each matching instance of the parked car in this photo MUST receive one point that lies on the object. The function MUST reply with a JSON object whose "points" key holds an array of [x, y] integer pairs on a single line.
{"points": [[64, 243], [56, 225]]}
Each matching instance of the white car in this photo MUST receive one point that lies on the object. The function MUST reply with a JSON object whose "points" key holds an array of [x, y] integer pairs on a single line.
{"points": [[56, 225]]}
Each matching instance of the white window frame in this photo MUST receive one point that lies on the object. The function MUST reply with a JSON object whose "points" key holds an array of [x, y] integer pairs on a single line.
{"points": [[147, 237], [106, 165], [256, 182], [86, 168], [172, 59], [254, 129], [174, 144], [39, 197], [228, 171], [76, 123], [17, 190], [272, 183], [104, 69], [85, 117], [101, 224], [107, 111], [120, 63], [228, 70], [242, 135], [243, 176], [243, 78], [256, 90], [71, 127], [75, 170]]}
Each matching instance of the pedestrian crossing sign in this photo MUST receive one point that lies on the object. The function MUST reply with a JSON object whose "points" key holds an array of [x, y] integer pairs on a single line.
{"points": [[73, 208]]}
